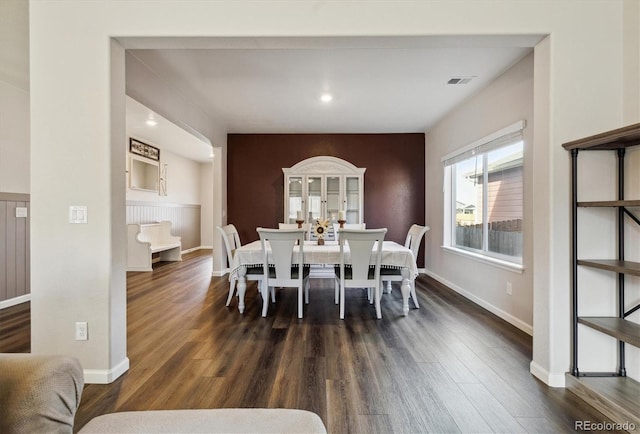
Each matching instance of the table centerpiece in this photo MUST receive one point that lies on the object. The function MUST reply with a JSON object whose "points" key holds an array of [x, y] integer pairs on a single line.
{"points": [[320, 229]]}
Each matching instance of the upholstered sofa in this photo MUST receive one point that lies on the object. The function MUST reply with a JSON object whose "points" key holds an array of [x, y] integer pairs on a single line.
{"points": [[40, 394]]}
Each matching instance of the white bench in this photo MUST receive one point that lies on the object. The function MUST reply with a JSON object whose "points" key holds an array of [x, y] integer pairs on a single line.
{"points": [[143, 240]]}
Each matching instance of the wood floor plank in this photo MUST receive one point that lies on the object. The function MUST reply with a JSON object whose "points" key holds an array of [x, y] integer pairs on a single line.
{"points": [[449, 366], [287, 385], [420, 409], [339, 406], [539, 425], [465, 415], [494, 413], [15, 329], [501, 390], [312, 393], [372, 423]]}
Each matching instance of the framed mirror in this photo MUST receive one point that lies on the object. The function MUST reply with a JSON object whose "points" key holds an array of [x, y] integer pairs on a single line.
{"points": [[143, 174]]}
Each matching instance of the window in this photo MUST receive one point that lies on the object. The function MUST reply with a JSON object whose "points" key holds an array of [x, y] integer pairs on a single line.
{"points": [[484, 196]]}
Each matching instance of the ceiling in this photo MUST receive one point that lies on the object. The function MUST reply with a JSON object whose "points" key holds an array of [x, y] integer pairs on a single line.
{"points": [[386, 85], [378, 85], [164, 134], [391, 84]]}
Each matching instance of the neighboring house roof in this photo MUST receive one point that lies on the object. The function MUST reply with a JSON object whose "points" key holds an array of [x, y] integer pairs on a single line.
{"points": [[508, 162], [460, 205]]}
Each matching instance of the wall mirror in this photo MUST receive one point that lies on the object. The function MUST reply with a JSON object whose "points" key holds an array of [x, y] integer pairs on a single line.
{"points": [[144, 174]]}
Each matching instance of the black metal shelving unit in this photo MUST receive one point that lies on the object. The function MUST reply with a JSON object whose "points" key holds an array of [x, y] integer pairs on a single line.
{"points": [[619, 387]]}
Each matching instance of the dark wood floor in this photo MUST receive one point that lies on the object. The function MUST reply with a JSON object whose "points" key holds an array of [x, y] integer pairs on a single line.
{"points": [[448, 367]]}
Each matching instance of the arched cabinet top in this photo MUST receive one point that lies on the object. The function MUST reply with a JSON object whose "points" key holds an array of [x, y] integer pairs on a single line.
{"points": [[324, 165]]}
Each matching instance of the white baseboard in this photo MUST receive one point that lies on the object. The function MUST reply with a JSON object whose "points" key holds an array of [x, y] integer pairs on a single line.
{"points": [[106, 376], [15, 301], [220, 273], [190, 250], [553, 380], [516, 322], [140, 269], [193, 249]]}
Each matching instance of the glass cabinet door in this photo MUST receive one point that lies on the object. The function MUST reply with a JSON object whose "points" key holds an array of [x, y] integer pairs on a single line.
{"points": [[295, 198], [352, 199], [314, 197], [333, 203], [323, 187]]}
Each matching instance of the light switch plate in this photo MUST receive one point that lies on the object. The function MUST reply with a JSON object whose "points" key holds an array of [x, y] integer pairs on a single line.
{"points": [[78, 214], [21, 212]]}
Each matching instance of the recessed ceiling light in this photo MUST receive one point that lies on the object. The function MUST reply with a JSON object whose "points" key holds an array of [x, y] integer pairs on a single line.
{"points": [[326, 97], [151, 122]]}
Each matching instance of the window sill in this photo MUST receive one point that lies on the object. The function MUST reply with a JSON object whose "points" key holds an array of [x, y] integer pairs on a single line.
{"points": [[505, 265]]}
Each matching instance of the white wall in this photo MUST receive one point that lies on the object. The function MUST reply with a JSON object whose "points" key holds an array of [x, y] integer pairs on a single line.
{"points": [[206, 199], [76, 271], [183, 181], [505, 101], [219, 267], [14, 139], [631, 72], [147, 88]]}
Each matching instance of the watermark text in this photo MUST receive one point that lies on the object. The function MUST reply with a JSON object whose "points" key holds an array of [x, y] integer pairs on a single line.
{"points": [[588, 425]]}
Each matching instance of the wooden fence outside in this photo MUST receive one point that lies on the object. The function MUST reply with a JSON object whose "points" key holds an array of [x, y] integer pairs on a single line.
{"points": [[505, 237]]}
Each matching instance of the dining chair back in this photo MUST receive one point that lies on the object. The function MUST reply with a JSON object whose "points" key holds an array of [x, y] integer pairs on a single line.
{"points": [[356, 226], [360, 256], [231, 240], [412, 242], [284, 267], [305, 227], [414, 238]]}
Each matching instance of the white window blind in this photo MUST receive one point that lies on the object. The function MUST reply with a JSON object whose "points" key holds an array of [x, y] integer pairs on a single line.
{"points": [[506, 136]]}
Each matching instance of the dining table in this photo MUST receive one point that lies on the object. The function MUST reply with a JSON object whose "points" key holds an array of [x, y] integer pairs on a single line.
{"points": [[394, 255]]}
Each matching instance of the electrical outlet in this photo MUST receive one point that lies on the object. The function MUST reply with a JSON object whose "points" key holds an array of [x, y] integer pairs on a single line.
{"points": [[509, 289], [82, 331]]}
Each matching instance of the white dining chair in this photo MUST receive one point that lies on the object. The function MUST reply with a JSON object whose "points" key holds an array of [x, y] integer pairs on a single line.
{"points": [[414, 239], [351, 226], [360, 267], [285, 269], [305, 227], [231, 240], [356, 226]]}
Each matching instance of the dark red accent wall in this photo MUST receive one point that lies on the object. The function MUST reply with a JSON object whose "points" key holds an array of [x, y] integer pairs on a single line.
{"points": [[393, 182]]}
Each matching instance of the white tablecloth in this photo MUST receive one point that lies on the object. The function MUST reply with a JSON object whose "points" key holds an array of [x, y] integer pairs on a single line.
{"points": [[393, 255]]}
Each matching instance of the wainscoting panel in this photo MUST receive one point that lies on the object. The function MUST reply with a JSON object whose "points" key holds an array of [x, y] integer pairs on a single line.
{"points": [[185, 219], [14, 246]]}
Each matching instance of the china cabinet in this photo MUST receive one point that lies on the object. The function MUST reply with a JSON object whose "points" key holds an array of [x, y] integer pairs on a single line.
{"points": [[323, 187]]}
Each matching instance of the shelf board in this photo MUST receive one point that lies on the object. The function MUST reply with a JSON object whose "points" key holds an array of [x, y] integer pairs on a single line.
{"points": [[619, 328], [610, 203], [615, 397], [624, 137], [626, 267]]}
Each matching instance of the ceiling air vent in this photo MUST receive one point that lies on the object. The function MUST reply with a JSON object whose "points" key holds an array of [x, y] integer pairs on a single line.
{"points": [[459, 80]]}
